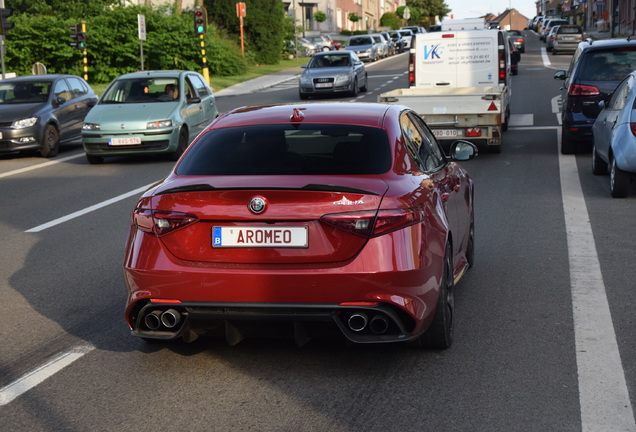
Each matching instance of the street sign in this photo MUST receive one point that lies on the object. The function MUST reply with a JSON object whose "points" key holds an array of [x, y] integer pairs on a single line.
{"points": [[240, 10], [141, 24]]}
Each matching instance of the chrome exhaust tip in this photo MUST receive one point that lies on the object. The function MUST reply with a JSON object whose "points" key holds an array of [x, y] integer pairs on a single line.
{"points": [[170, 318], [357, 322], [379, 324], [153, 320]]}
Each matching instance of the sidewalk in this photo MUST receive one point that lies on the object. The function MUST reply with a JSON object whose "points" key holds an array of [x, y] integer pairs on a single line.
{"points": [[260, 83]]}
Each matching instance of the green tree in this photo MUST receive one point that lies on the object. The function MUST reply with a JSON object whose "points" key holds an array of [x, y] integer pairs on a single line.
{"points": [[353, 17], [390, 19], [112, 41], [320, 17]]}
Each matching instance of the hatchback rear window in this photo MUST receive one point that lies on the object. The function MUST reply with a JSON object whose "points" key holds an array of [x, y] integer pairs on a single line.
{"points": [[608, 65], [569, 30], [315, 149]]}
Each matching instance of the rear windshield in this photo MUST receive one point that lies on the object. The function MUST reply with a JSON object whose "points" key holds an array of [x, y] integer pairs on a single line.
{"points": [[570, 30], [609, 65], [360, 41], [289, 149]]}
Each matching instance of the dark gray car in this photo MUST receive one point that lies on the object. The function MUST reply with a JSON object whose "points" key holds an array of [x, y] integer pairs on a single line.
{"points": [[332, 72], [38, 112]]}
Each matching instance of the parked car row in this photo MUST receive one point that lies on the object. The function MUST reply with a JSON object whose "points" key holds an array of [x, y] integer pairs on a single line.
{"points": [[150, 112], [598, 103], [375, 46]]}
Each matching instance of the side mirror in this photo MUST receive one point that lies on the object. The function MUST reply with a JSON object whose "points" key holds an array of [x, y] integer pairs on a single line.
{"points": [[463, 151], [304, 66], [560, 75], [194, 100]]}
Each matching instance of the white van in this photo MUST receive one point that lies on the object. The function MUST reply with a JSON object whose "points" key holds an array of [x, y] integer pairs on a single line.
{"points": [[460, 82], [473, 58]]}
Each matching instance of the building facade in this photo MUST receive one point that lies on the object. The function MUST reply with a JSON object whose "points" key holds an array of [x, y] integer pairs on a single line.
{"points": [[338, 12]]}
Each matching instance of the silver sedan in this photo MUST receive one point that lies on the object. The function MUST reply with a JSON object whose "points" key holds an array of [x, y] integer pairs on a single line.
{"points": [[333, 72]]}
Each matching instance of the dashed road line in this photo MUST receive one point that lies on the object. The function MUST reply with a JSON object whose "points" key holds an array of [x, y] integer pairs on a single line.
{"points": [[37, 376]]}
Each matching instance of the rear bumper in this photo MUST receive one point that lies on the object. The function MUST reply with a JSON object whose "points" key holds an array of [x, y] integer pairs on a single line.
{"points": [[358, 323], [389, 278]]}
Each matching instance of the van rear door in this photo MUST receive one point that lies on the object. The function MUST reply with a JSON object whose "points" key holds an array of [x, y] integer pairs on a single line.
{"points": [[457, 59]]}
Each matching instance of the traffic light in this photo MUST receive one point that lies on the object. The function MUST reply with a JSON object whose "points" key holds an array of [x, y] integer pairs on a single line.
{"points": [[81, 40], [200, 21], [5, 25], [78, 36]]}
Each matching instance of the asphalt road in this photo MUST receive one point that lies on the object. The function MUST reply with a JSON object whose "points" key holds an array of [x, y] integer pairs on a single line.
{"points": [[544, 336]]}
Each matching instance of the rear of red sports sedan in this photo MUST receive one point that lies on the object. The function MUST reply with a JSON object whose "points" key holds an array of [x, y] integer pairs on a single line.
{"points": [[304, 220]]}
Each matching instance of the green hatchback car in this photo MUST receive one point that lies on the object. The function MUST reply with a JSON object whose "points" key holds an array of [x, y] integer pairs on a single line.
{"points": [[149, 112]]}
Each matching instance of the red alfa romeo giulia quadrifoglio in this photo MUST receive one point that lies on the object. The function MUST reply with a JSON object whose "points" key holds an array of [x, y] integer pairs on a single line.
{"points": [[305, 220]]}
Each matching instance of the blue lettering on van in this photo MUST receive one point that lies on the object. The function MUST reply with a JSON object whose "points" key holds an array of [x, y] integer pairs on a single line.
{"points": [[434, 52]]}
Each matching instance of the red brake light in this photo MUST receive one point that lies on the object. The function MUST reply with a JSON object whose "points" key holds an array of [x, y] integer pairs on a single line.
{"points": [[583, 90], [370, 224], [159, 222], [632, 127], [411, 69], [502, 66]]}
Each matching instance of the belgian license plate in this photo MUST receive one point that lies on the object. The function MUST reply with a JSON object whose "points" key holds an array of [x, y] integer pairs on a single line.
{"points": [[324, 85], [445, 133], [259, 237], [124, 141]]}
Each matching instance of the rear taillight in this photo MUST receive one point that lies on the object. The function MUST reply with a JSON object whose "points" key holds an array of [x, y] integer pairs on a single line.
{"points": [[370, 224], [583, 90], [502, 66], [632, 127], [159, 222], [411, 69]]}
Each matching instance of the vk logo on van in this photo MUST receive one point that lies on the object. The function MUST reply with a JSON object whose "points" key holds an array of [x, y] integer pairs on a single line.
{"points": [[433, 52]]}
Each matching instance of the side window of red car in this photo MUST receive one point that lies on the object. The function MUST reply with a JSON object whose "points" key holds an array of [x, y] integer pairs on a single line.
{"points": [[430, 154]]}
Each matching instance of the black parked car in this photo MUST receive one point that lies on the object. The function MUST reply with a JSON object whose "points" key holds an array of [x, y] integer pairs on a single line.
{"points": [[596, 69], [39, 112]]}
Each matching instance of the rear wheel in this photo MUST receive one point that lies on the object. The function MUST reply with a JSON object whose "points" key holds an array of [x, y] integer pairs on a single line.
{"points": [[366, 84], [599, 166], [441, 332], [620, 181], [50, 142]]}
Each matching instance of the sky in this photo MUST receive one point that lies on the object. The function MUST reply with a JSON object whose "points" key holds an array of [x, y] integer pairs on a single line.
{"points": [[475, 8]]}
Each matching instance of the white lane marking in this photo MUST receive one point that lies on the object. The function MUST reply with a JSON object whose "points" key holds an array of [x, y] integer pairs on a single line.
{"points": [[88, 210], [42, 165], [521, 120], [37, 376], [544, 57], [603, 394]]}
